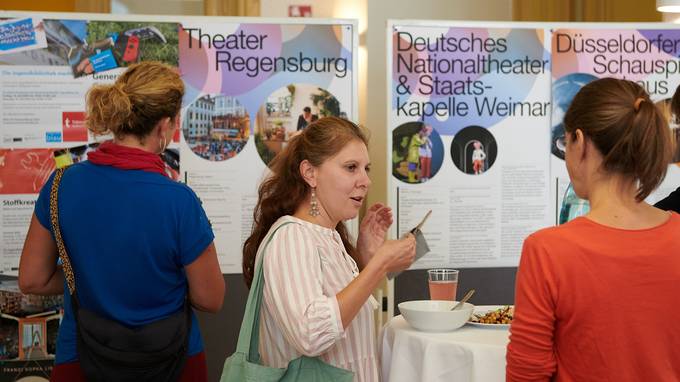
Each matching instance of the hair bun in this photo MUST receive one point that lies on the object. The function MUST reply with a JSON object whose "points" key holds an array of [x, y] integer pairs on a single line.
{"points": [[155, 88], [119, 88]]}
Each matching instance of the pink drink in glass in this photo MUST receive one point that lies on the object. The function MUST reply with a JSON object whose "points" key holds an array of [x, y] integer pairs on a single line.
{"points": [[443, 290]]}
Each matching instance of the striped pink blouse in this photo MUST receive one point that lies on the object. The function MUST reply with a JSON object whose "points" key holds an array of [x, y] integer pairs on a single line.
{"points": [[305, 266]]}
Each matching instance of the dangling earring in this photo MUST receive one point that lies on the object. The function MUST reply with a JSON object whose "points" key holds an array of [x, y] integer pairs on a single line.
{"points": [[314, 209], [164, 144]]}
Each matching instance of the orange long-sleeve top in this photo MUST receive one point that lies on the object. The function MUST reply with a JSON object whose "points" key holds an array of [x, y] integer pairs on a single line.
{"points": [[596, 303]]}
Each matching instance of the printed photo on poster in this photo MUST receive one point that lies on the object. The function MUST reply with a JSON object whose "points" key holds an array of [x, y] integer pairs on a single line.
{"points": [[112, 44], [563, 91], [29, 323], [95, 46], [18, 35], [474, 150], [673, 123], [24, 171], [417, 152], [62, 37], [287, 111], [216, 127]]}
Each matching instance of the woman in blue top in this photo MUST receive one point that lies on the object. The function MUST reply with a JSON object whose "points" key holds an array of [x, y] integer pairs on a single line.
{"points": [[139, 242]]}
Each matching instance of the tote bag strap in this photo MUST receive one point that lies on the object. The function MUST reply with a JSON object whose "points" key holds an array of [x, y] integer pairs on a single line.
{"points": [[54, 219], [249, 335]]}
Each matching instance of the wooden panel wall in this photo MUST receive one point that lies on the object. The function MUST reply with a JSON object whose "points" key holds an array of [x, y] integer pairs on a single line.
{"points": [[232, 7], [585, 10]]}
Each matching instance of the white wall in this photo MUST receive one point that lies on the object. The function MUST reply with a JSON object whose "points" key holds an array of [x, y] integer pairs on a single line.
{"points": [[279, 8], [158, 7], [671, 17]]}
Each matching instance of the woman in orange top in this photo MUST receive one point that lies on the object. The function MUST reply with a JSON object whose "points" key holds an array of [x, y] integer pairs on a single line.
{"points": [[596, 298]]}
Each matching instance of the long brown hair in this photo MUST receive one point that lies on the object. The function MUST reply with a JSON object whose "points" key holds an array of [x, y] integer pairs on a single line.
{"points": [[146, 93], [284, 189], [626, 127]]}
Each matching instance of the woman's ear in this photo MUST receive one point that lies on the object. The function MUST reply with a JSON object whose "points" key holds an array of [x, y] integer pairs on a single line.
{"points": [[308, 173], [166, 126], [578, 139]]}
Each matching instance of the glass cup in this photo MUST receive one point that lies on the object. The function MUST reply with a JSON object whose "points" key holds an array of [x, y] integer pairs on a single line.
{"points": [[443, 284]]}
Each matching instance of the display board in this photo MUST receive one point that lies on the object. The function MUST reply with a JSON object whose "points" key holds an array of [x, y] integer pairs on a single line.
{"points": [[249, 82], [266, 80], [475, 122], [474, 127], [647, 54], [468, 116]]}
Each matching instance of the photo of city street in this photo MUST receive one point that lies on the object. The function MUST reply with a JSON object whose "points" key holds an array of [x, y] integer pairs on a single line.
{"points": [[216, 127]]}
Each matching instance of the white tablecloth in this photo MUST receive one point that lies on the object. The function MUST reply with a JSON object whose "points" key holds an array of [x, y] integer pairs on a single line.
{"points": [[469, 353]]}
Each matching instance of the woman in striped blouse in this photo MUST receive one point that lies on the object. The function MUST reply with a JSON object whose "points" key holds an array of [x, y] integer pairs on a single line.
{"points": [[317, 293]]}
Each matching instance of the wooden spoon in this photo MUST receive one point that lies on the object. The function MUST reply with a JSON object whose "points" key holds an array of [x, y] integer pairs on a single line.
{"points": [[464, 300]]}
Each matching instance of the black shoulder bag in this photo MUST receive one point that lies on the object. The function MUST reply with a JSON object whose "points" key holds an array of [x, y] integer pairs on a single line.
{"points": [[109, 351]]}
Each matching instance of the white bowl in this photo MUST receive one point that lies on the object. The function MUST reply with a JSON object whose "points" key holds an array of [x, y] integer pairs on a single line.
{"points": [[435, 315]]}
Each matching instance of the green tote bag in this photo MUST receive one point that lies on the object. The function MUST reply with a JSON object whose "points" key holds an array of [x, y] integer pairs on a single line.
{"points": [[245, 364]]}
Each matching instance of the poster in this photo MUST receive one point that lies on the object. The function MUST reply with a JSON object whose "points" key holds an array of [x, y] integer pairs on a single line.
{"points": [[22, 174], [42, 107], [470, 106], [250, 87], [20, 371], [28, 331], [648, 56], [78, 54]]}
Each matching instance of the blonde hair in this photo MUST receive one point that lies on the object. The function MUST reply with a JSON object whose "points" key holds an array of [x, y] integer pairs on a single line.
{"points": [[146, 93]]}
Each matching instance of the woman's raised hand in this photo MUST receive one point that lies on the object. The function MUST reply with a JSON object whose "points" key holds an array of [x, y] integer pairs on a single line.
{"points": [[373, 229]]}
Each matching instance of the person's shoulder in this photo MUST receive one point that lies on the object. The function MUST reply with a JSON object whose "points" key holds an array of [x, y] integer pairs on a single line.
{"points": [[74, 173], [79, 168], [673, 221], [292, 240], [545, 244], [286, 225], [304, 233], [180, 190], [169, 188], [559, 233], [286, 232]]}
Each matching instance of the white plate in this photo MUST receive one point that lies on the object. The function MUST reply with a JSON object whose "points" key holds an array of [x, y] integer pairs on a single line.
{"points": [[488, 325], [483, 309]]}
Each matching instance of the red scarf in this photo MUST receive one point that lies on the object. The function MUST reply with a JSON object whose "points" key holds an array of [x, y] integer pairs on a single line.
{"points": [[126, 158]]}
